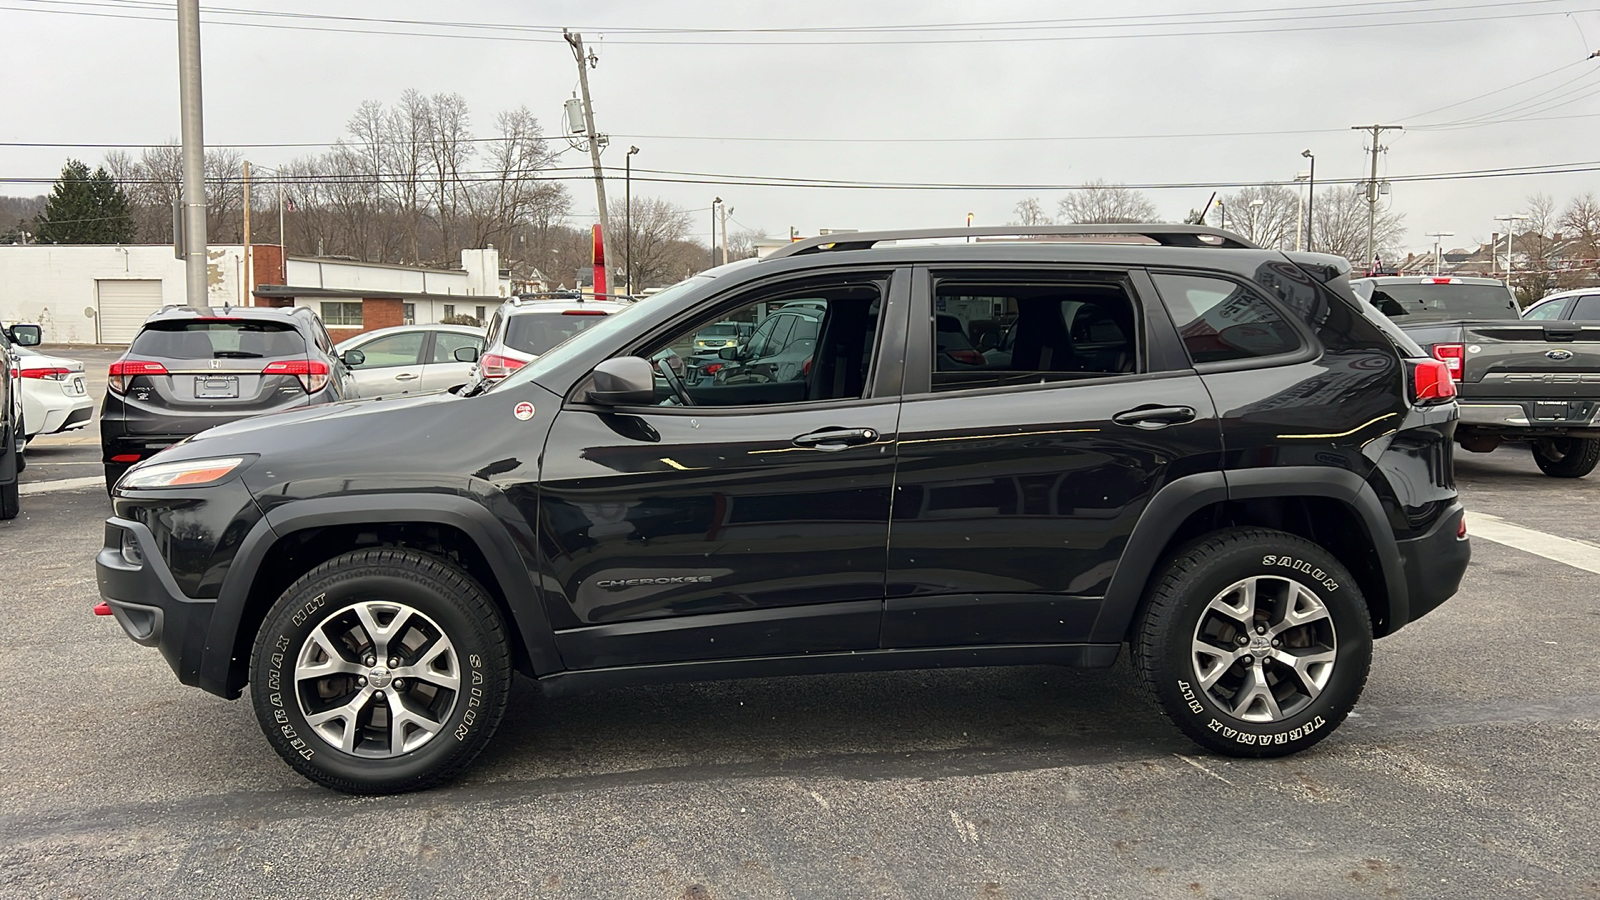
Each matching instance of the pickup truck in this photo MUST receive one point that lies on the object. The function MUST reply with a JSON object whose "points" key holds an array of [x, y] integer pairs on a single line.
{"points": [[1516, 379]]}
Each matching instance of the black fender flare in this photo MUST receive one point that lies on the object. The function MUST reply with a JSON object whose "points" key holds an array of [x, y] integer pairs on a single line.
{"points": [[1175, 502], [473, 519]]}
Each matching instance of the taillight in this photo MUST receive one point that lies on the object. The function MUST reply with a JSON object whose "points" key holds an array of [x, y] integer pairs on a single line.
{"points": [[50, 373], [1461, 530], [313, 373], [1452, 355], [966, 357], [1431, 381], [123, 371], [495, 366], [712, 369]]}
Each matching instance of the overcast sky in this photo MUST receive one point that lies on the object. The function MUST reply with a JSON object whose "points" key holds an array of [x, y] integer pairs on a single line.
{"points": [[82, 72]]}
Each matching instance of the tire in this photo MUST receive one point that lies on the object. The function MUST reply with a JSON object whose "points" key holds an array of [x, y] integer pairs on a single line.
{"points": [[447, 628], [1566, 457], [1199, 599]]}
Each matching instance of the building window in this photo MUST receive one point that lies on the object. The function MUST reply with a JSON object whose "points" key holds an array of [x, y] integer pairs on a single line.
{"points": [[341, 313], [449, 310], [483, 314], [408, 314]]}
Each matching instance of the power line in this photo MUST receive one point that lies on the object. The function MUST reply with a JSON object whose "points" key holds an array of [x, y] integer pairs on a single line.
{"points": [[522, 34], [666, 176]]}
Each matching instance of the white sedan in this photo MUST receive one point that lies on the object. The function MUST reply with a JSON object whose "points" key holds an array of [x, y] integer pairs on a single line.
{"points": [[55, 397], [412, 359]]}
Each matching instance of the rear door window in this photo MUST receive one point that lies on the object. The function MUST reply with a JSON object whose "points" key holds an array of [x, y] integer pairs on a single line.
{"points": [[1587, 308], [218, 339], [999, 331], [1551, 310]]}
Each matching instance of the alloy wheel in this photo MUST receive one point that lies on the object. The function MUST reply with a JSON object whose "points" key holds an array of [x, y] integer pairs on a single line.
{"points": [[1264, 648]]}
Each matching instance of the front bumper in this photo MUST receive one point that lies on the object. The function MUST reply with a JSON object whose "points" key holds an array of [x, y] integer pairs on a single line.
{"points": [[146, 600], [1435, 563]]}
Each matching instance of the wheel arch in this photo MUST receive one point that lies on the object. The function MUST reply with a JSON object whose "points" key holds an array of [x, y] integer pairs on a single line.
{"points": [[1333, 508], [295, 537]]}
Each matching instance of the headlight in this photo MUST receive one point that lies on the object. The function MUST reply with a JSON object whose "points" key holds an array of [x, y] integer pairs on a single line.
{"points": [[192, 473]]}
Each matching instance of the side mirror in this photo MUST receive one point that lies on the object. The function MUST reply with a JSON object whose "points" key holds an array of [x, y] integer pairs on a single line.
{"points": [[26, 335], [467, 354], [623, 381], [988, 341], [732, 353], [353, 358]]}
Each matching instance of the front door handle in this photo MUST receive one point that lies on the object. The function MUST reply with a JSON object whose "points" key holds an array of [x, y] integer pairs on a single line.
{"points": [[406, 376], [836, 438], [1153, 417]]}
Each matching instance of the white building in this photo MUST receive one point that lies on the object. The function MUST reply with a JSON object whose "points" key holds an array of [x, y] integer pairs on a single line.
{"points": [[100, 294]]}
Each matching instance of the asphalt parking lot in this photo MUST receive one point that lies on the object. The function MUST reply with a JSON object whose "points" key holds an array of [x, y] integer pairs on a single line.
{"points": [[1469, 770]]}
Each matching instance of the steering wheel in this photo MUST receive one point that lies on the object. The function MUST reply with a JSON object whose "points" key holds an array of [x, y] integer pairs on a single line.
{"points": [[664, 366]]}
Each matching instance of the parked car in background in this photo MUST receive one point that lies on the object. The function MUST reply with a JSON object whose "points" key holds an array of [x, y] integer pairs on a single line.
{"points": [[714, 337], [193, 368], [1582, 305], [413, 359], [12, 435], [522, 329], [1520, 377], [55, 394]]}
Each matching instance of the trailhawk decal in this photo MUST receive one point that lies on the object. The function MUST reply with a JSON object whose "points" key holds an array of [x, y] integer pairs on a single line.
{"points": [[1300, 565], [1245, 737]]}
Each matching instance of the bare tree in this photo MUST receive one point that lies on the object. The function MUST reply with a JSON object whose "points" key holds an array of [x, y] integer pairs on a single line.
{"points": [[1030, 212], [1264, 215], [742, 243], [657, 226], [1580, 224], [1098, 202], [1341, 227], [1536, 246]]}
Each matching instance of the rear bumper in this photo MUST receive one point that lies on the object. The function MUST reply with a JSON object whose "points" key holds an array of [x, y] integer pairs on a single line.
{"points": [[147, 603], [1512, 416], [1435, 563]]}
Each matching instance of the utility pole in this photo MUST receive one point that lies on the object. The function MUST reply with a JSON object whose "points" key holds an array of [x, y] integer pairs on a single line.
{"points": [[1372, 185], [724, 233], [627, 213], [714, 204], [585, 63], [249, 297], [194, 153]]}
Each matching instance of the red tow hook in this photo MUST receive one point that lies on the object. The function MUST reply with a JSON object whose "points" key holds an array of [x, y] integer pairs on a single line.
{"points": [[102, 608]]}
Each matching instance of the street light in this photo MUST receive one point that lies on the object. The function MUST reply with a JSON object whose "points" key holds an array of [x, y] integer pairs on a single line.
{"points": [[1511, 227], [627, 215], [1222, 212], [1436, 235], [1311, 198]]}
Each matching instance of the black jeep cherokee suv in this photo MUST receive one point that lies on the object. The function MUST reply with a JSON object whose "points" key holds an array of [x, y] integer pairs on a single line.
{"points": [[191, 368], [1209, 452]]}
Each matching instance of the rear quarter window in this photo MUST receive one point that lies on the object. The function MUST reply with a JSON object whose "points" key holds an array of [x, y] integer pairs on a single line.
{"points": [[1223, 321]]}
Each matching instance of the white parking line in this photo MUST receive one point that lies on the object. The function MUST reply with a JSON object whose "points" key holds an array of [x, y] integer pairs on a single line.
{"points": [[1578, 554], [62, 484]]}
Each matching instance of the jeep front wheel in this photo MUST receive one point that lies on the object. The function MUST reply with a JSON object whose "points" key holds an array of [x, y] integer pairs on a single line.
{"points": [[1254, 642], [381, 671]]}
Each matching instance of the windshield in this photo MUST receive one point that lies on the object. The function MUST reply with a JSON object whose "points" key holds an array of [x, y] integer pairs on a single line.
{"points": [[217, 339], [601, 328], [1410, 303], [726, 330]]}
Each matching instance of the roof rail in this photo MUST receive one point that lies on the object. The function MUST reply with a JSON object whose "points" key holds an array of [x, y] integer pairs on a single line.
{"points": [[1165, 235]]}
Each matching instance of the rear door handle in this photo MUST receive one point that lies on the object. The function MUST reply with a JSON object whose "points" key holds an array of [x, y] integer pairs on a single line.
{"points": [[406, 376], [836, 438], [1153, 417]]}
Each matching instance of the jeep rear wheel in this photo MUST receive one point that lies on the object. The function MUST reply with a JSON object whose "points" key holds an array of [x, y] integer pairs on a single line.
{"points": [[381, 671], [1567, 457], [1254, 642]]}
